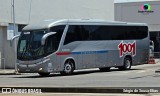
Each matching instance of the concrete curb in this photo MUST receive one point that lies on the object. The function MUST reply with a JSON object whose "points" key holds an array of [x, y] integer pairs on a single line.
{"points": [[8, 72], [157, 71]]}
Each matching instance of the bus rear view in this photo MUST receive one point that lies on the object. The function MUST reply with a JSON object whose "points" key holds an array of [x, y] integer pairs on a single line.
{"points": [[67, 45]]}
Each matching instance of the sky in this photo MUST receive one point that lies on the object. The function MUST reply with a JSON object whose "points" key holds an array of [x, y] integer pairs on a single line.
{"points": [[116, 1]]}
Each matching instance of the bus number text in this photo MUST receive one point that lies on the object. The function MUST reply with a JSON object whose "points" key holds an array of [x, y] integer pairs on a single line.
{"points": [[125, 48]]}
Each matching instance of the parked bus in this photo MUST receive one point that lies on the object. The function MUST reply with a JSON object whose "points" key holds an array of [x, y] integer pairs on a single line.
{"points": [[71, 44]]}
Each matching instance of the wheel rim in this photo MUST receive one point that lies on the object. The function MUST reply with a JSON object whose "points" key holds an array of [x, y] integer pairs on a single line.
{"points": [[68, 68], [127, 64]]}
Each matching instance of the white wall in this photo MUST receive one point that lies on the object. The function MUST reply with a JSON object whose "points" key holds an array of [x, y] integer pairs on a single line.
{"points": [[28, 11], [6, 52], [128, 12]]}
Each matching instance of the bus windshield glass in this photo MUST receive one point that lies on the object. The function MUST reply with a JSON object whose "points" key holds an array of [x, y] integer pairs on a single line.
{"points": [[29, 45]]}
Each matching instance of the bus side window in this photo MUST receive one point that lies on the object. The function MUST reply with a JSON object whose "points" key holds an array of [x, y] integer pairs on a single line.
{"points": [[52, 42], [73, 34]]}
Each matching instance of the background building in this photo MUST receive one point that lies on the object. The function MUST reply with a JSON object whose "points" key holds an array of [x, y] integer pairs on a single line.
{"points": [[143, 12], [30, 11]]}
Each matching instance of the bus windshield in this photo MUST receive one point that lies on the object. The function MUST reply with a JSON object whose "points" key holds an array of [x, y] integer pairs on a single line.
{"points": [[29, 45]]}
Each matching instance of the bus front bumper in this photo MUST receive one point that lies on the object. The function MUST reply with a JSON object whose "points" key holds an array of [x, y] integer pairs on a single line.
{"points": [[34, 68]]}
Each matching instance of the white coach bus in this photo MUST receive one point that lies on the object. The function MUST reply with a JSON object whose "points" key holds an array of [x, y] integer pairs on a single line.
{"points": [[71, 44]]}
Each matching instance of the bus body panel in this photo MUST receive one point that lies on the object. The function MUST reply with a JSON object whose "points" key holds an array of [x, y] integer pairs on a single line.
{"points": [[89, 54]]}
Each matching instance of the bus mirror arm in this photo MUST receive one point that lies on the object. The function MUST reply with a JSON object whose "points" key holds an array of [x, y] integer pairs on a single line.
{"points": [[13, 38], [45, 37]]}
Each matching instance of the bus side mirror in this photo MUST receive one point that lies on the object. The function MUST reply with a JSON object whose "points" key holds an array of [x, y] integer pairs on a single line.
{"points": [[13, 38], [45, 37]]}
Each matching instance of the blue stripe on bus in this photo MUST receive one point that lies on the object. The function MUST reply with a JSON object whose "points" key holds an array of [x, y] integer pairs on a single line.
{"points": [[89, 52]]}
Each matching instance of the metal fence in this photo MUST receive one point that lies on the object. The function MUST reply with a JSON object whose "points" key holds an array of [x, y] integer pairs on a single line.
{"points": [[3, 68], [2, 63]]}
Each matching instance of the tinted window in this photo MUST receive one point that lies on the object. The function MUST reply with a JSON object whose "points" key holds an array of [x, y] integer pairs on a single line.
{"points": [[118, 32], [53, 41], [105, 33], [76, 33], [59, 30], [99, 32]]}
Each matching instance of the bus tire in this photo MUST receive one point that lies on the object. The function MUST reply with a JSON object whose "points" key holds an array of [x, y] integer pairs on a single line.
{"points": [[44, 74], [127, 63], [105, 69], [68, 68]]}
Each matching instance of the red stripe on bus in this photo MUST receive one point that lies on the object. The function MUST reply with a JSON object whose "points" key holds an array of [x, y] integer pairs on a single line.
{"points": [[63, 53]]}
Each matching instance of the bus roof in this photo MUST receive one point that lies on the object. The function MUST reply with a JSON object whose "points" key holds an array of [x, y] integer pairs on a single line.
{"points": [[49, 23]]}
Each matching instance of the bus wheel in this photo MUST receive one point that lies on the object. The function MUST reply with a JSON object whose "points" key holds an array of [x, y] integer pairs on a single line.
{"points": [[126, 64], [44, 74], [68, 68], [105, 69]]}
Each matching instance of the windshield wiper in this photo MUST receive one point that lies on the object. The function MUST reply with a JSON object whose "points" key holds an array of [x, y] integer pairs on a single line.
{"points": [[24, 49]]}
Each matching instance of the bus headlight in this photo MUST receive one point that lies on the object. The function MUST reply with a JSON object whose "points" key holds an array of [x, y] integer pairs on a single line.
{"points": [[40, 69]]}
